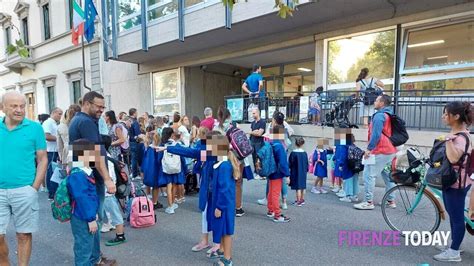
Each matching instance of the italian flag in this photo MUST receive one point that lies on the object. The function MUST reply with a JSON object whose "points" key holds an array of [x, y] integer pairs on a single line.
{"points": [[78, 23]]}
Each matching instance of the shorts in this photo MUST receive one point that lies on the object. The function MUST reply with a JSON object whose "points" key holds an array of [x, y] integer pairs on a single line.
{"points": [[111, 206], [21, 204]]}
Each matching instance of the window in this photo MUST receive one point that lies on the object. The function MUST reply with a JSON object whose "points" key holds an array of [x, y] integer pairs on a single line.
{"points": [[51, 98], [8, 36], [438, 87], [166, 92], [160, 8], [46, 24], [289, 79], [24, 25], [76, 91], [346, 57], [440, 47], [189, 3], [128, 14]]}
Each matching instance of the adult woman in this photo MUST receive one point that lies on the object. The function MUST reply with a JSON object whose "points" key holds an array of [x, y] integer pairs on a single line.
{"points": [[116, 133], [159, 125], [194, 129], [63, 132], [363, 83], [225, 120], [458, 116], [184, 129]]}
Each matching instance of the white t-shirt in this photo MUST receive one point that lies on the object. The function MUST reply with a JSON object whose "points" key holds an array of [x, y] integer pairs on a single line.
{"points": [[185, 135], [112, 175], [50, 126]]}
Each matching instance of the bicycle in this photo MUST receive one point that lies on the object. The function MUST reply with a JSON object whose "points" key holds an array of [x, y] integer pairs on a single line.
{"points": [[418, 207]]}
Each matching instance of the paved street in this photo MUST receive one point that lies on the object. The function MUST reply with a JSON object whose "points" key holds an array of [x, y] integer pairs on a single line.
{"points": [[309, 239]]}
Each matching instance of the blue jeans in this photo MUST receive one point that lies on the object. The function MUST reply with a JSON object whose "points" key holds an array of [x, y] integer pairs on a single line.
{"points": [[351, 186], [454, 201], [134, 158], [52, 186], [371, 172], [284, 189], [86, 245]]}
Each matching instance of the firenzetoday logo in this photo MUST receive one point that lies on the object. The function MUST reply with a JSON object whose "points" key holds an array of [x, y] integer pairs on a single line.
{"points": [[369, 238]]}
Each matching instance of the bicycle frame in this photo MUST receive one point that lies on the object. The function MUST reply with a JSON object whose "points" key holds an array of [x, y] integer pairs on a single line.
{"points": [[439, 193]]}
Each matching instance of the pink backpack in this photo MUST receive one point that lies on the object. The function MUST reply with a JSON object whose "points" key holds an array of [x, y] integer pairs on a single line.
{"points": [[142, 213]]}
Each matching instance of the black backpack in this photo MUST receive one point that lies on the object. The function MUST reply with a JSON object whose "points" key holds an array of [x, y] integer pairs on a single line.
{"points": [[354, 157], [399, 130], [370, 93], [441, 174]]}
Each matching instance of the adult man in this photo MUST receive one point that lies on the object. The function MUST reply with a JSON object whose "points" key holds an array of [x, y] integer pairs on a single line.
{"points": [[133, 134], [23, 163], [253, 85], [256, 135], [381, 152], [50, 127], [209, 121], [84, 125]]}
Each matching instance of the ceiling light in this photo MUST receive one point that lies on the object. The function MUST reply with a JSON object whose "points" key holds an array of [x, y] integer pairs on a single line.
{"points": [[304, 69], [437, 57], [425, 43]]}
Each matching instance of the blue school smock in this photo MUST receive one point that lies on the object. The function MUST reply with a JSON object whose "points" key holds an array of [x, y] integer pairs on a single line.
{"points": [[298, 163], [223, 198], [279, 153], [321, 170], [340, 160], [151, 168], [180, 177], [206, 170]]}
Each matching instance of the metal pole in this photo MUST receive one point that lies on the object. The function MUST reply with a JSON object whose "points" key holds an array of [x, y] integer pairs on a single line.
{"points": [[181, 19], [105, 35], [396, 83], [228, 16], [114, 30], [84, 63], [144, 20]]}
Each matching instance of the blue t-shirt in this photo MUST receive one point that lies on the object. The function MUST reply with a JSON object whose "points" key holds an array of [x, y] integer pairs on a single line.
{"points": [[18, 149], [253, 82], [83, 126]]}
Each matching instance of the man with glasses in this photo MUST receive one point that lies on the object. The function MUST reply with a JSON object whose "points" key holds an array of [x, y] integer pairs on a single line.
{"points": [[84, 125]]}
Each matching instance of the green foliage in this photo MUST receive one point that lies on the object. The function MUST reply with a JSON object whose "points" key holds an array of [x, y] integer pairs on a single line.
{"points": [[284, 10], [334, 76], [18, 47]]}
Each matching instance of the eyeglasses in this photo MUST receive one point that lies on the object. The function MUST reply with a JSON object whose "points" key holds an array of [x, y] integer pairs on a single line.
{"points": [[101, 107]]}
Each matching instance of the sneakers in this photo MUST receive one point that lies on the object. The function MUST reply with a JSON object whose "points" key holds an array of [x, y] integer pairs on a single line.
{"points": [[449, 255], [157, 206], [443, 248], [364, 206], [391, 204], [169, 210], [323, 191], [239, 212], [355, 198], [116, 241], [213, 249], [335, 190], [199, 247], [163, 194], [315, 190], [341, 194], [281, 219], [302, 202], [107, 228], [345, 199], [262, 201], [106, 262], [270, 215], [224, 261], [284, 206], [174, 206], [257, 177]]}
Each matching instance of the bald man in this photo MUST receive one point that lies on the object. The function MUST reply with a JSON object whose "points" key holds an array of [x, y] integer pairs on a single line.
{"points": [[23, 163]]}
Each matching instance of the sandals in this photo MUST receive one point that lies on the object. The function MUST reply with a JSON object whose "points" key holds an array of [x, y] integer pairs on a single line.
{"points": [[216, 255], [223, 262]]}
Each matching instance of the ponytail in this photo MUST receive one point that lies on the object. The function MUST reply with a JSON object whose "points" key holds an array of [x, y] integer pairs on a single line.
{"points": [[235, 165], [363, 74]]}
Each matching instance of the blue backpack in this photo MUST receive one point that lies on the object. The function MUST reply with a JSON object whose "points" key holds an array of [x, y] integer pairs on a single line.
{"points": [[267, 160]]}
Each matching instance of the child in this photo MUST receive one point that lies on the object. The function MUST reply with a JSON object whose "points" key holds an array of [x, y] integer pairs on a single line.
{"points": [[351, 184], [226, 171], [320, 163], [112, 207], [276, 179], [298, 164], [170, 138], [84, 198], [343, 138], [334, 181], [151, 170]]}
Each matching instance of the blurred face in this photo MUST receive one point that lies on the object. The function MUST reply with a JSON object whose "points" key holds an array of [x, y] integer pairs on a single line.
{"points": [[14, 107], [255, 114], [95, 108], [89, 157], [449, 119], [186, 121], [217, 146], [57, 115], [378, 104]]}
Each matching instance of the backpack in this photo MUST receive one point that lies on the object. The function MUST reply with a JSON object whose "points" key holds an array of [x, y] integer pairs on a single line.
{"points": [[267, 160], [171, 163], [399, 130], [123, 182], [354, 158], [370, 93], [239, 142], [442, 174], [142, 213], [190, 187], [405, 165], [62, 206]]}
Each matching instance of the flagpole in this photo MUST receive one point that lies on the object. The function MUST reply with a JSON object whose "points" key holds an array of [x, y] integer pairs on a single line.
{"points": [[84, 61]]}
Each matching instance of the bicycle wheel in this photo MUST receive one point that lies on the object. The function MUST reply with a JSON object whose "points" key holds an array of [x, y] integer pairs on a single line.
{"points": [[425, 217]]}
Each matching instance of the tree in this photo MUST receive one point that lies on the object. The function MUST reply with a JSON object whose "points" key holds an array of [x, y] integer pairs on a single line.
{"points": [[19, 46], [284, 10], [334, 76], [379, 58]]}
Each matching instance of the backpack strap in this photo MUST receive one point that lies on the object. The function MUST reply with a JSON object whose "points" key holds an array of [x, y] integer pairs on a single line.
{"points": [[363, 83], [463, 157]]}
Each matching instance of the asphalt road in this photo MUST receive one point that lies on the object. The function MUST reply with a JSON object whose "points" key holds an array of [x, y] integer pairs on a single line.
{"points": [[311, 238]]}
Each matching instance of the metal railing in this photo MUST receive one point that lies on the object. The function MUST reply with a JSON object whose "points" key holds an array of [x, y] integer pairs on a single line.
{"points": [[421, 109]]}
